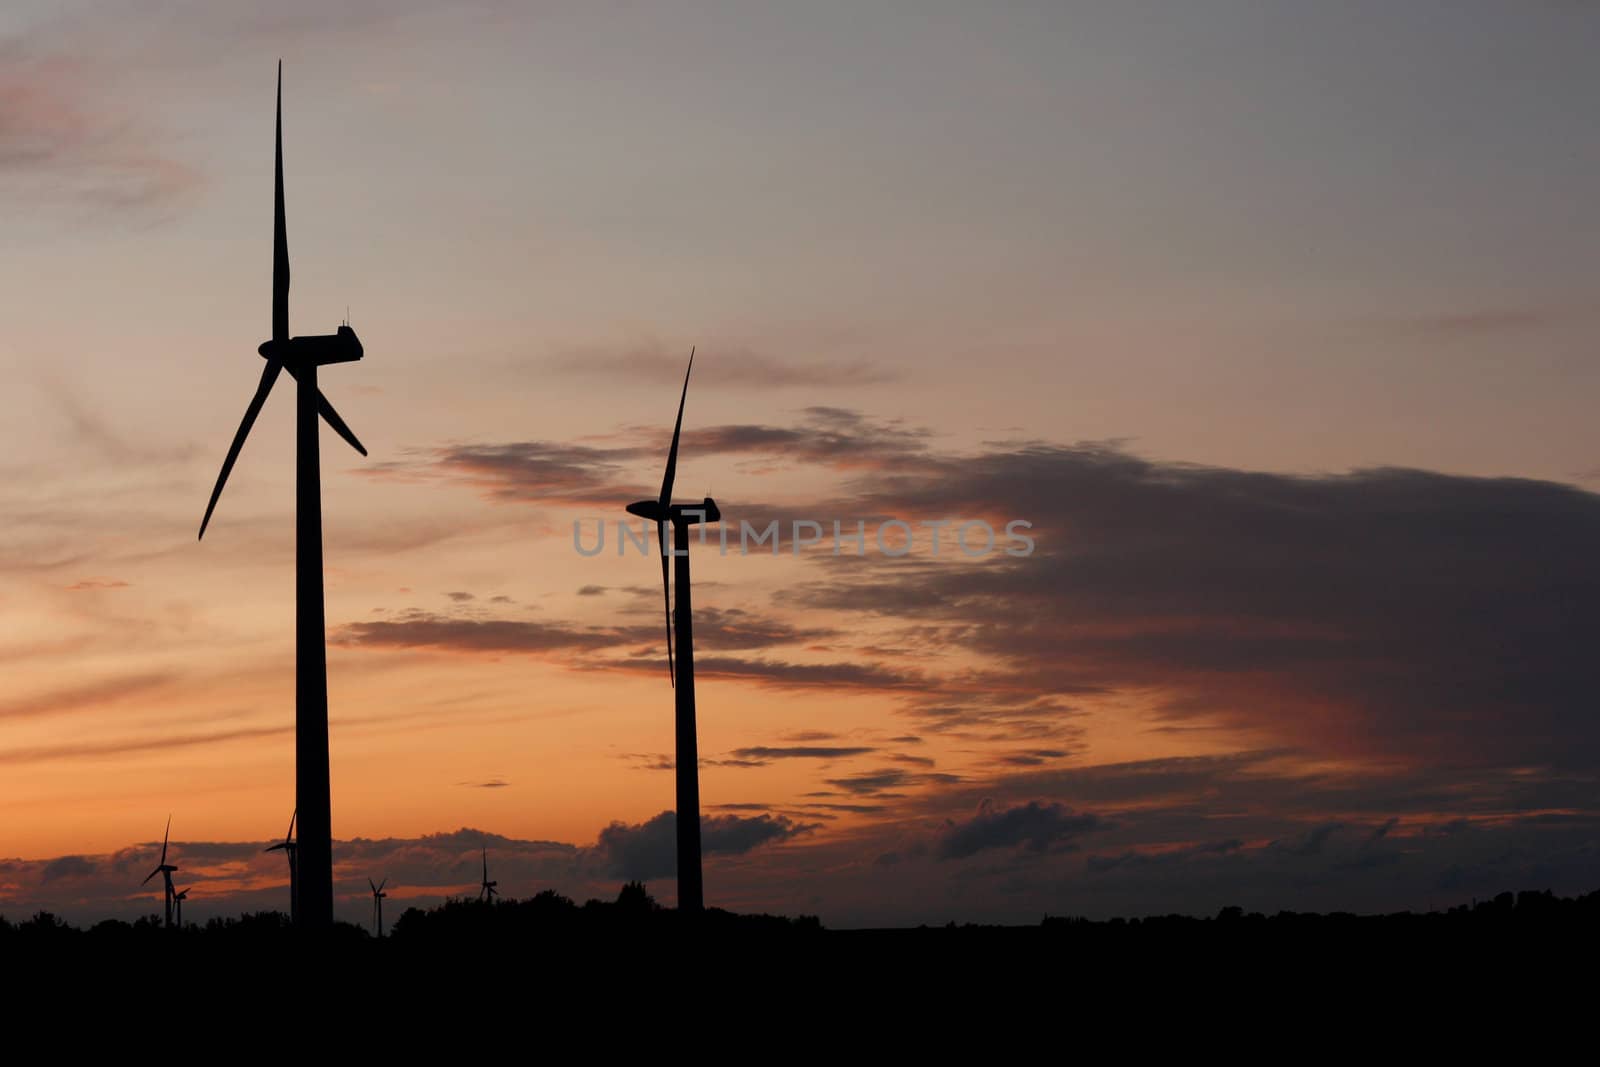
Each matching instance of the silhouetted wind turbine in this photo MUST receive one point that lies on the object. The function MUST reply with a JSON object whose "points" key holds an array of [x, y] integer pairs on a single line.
{"points": [[177, 899], [377, 905], [165, 870], [487, 890], [680, 668], [301, 356], [289, 847]]}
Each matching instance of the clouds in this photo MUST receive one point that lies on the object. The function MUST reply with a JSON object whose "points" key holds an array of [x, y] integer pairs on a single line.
{"points": [[85, 696], [1489, 322], [538, 472], [1039, 827], [93, 585], [552, 473], [838, 437], [781, 674], [1350, 661], [67, 750], [649, 849], [426, 630], [887, 781], [1388, 612], [767, 753], [1133, 838], [725, 628], [59, 139], [1390, 652], [230, 877]]}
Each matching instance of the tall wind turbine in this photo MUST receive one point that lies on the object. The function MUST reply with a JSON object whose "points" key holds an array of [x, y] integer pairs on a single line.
{"points": [[177, 899], [487, 890], [377, 906], [680, 668], [301, 356], [165, 870], [289, 846]]}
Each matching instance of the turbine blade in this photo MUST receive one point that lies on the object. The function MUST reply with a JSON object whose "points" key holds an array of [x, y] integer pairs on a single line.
{"points": [[167, 833], [280, 235], [268, 376], [382, 884], [149, 876], [292, 818], [666, 596], [369, 882], [672, 453], [332, 418]]}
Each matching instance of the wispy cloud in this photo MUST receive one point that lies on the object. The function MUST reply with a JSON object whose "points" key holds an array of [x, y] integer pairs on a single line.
{"points": [[88, 585], [1035, 825], [86, 696], [132, 745], [767, 753], [551, 473], [1475, 322], [59, 140]]}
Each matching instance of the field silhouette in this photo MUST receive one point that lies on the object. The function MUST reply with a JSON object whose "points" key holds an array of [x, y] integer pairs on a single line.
{"points": [[1529, 918]]}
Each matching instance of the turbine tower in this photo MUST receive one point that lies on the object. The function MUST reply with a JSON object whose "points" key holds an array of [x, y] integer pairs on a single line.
{"points": [[177, 899], [680, 668], [377, 906], [165, 870], [289, 846], [487, 891], [301, 356]]}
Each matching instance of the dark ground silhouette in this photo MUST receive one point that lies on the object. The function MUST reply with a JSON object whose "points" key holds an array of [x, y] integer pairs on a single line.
{"points": [[549, 919], [625, 973]]}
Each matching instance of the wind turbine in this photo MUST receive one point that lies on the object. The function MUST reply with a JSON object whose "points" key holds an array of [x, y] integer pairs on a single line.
{"points": [[301, 356], [487, 890], [680, 668], [377, 905], [165, 870], [289, 846], [177, 899]]}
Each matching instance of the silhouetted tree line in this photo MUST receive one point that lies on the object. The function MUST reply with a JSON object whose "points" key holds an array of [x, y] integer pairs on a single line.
{"points": [[634, 916], [548, 915]]}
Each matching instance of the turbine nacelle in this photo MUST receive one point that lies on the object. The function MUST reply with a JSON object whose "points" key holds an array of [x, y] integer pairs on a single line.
{"points": [[288, 844], [163, 868], [285, 353], [315, 349], [166, 870], [678, 514], [679, 618]]}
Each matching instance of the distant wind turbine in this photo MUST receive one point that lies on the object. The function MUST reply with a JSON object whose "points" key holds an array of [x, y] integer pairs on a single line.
{"points": [[487, 890], [301, 356], [165, 870], [377, 906], [177, 899], [680, 668], [289, 846]]}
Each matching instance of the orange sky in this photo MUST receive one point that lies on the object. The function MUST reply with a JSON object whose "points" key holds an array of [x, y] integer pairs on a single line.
{"points": [[1187, 313]]}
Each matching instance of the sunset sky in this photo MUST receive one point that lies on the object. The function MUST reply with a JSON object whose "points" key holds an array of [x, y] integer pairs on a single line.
{"points": [[1276, 321]]}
